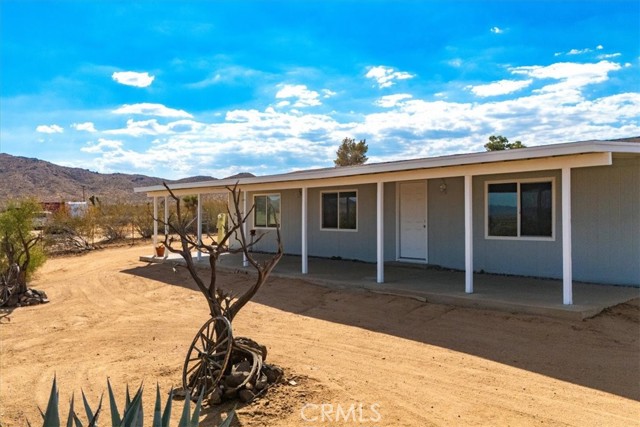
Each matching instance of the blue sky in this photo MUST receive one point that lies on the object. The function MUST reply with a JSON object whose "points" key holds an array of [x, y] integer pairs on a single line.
{"points": [[175, 89]]}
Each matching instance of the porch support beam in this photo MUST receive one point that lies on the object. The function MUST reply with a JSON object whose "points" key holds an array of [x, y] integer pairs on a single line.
{"points": [[468, 234], [380, 232], [567, 271], [304, 250], [155, 224], [245, 260], [199, 216]]}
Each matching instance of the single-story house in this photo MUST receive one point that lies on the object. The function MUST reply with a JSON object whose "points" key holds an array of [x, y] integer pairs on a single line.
{"points": [[568, 211]]}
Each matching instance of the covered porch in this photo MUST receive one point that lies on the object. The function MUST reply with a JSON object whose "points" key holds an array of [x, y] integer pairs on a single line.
{"points": [[513, 294]]}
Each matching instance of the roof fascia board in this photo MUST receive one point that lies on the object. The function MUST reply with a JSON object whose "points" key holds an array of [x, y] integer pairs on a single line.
{"points": [[518, 166], [434, 162]]}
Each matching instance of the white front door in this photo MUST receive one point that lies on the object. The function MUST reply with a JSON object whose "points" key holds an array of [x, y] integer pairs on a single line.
{"points": [[413, 220]]}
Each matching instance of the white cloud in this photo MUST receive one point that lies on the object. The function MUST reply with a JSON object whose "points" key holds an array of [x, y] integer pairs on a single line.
{"points": [[328, 93], [103, 146], [609, 55], [497, 30], [149, 109], [49, 129], [456, 62], [390, 101], [579, 51], [305, 97], [132, 78], [86, 126], [572, 75], [386, 76], [501, 87], [599, 47], [227, 75], [553, 106]]}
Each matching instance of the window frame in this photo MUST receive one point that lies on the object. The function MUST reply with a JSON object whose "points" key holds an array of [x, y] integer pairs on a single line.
{"points": [[518, 182], [337, 192], [255, 211]]}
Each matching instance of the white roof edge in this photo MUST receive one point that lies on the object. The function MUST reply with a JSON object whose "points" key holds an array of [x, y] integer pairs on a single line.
{"points": [[562, 149]]}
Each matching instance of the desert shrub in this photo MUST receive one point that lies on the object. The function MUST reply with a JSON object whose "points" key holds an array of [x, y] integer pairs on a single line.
{"points": [[19, 244], [67, 232], [115, 220], [142, 220]]}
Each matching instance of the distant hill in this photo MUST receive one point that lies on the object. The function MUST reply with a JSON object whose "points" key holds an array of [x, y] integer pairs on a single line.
{"points": [[48, 182]]}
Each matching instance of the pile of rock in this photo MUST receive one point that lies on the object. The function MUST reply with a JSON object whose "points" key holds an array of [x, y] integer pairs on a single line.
{"points": [[30, 297], [248, 375]]}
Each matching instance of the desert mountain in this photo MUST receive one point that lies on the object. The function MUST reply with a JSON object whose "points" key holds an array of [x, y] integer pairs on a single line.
{"points": [[48, 182]]}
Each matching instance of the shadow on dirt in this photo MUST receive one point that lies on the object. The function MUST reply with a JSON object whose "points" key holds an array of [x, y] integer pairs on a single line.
{"points": [[600, 353]]}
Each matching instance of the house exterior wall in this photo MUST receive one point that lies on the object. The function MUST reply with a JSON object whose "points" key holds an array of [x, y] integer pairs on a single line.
{"points": [[539, 258], [605, 227], [290, 223], [359, 244], [606, 222], [445, 211]]}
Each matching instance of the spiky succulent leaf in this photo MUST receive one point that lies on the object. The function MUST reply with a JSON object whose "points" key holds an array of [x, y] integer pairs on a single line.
{"points": [[166, 416], [195, 418], [93, 422], [227, 422], [186, 410], [72, 412], [132, 417], [157, 410], [52, 416], [87, 408], [115, 414]]}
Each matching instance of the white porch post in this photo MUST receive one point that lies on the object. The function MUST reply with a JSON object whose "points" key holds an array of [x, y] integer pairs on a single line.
{"points": [[468, 233], [380, 232], [199, 216], [166, 215], [245, 260], [567, 272], [155, 224], [304, 250]]}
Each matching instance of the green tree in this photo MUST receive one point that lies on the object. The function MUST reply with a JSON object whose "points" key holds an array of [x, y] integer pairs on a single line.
{"points": [[351, 153], [21, 249], [499, 143]]}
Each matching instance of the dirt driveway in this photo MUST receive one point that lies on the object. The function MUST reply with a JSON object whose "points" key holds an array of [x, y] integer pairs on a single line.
{"points": [[394, 361]]}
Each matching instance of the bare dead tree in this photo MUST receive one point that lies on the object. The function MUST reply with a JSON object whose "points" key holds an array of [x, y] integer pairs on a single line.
{"points": [[217, 364]]}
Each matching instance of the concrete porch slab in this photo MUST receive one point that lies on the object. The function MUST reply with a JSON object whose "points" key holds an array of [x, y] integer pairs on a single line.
{"points": [[440, 286]]}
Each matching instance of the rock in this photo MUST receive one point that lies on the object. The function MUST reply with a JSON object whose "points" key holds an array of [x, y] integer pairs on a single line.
{"points": [[272, 372], [241, 367], [253, 345], [245, 395], [235, 379], [230, 394], [216, 396], [262, 382]]}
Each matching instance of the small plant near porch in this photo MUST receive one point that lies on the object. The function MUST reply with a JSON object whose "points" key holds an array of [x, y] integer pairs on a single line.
{"points": [[219, 365]]}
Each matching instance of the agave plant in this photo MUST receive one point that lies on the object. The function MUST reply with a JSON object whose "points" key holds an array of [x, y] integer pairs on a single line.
{"points": [[133, 414]]}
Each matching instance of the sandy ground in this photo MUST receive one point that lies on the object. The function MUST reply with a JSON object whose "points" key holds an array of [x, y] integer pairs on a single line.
{"points": [[396, 361]]}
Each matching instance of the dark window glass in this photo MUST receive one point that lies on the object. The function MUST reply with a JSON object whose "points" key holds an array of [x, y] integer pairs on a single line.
{"points": [[273, 210], [260, 211], [535, 209], [503, 209], [330, 210], [348, 210], [266, 210]]}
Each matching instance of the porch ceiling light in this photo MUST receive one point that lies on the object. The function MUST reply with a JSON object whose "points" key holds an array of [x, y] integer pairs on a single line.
{"points": [[443, 187]]}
